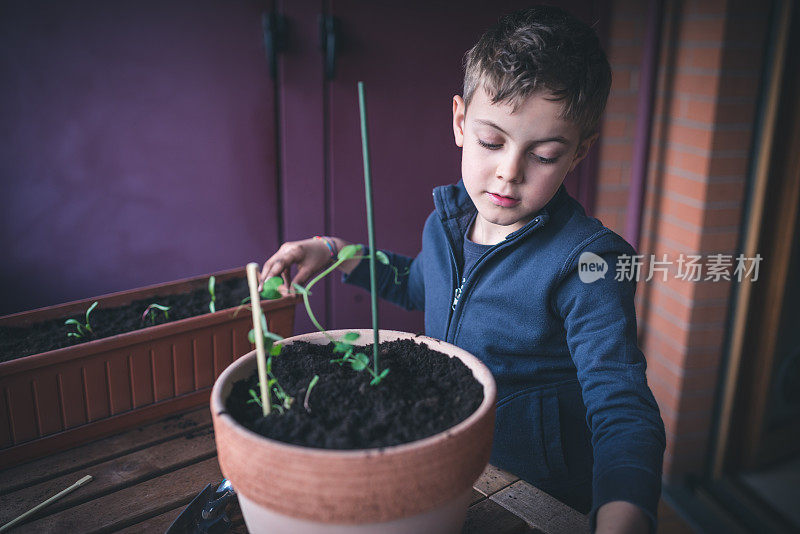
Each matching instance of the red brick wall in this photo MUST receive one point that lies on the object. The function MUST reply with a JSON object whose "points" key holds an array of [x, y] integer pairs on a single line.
{"points": [[708, 84], [624, 50]]}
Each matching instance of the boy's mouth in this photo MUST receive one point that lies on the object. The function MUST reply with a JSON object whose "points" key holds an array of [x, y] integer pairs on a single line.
{"points": [[500, 200]]}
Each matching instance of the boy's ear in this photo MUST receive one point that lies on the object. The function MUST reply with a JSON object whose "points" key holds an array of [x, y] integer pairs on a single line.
{"points": [[459, 112], [583, 149]]}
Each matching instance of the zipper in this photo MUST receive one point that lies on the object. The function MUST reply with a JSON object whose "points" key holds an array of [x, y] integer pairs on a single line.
{"points": [[459, 291], [458, 294]]}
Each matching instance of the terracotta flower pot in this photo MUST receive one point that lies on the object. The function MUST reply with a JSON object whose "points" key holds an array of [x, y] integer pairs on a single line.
{"points": [[61, 398], [422, 486]]}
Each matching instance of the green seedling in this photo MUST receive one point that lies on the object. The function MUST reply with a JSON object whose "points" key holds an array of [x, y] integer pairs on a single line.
{"points": [[308, 392], [212, 305], [272, 382], [269, 291], [358, 360], [150, 311], [81, 329], [286, 401]]}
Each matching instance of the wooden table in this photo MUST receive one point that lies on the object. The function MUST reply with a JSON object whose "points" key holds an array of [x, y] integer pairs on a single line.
{"points": [[143, 478]]}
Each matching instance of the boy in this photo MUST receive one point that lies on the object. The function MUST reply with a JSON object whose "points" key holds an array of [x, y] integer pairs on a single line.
{"points": [[505, 272]]}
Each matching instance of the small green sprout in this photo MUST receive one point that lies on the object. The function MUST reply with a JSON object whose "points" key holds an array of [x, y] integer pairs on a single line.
{"points": [[308, 392], [211, 305], [269, 291], [272, 382], [254, 398], [358, 361], [82, 330], [150, 311]]}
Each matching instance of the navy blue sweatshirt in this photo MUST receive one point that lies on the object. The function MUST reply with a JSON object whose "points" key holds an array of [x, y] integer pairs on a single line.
{"points": [[575, 416]]}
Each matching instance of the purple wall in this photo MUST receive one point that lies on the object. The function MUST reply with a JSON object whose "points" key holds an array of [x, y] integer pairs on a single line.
{"points": [[136, 145], [143, 142]]}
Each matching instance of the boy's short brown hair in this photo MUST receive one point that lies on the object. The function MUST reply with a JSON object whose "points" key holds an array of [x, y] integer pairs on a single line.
{"points": [[542, 49]]}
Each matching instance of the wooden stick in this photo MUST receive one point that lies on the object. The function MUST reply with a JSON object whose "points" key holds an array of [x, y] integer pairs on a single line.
{"points": [[255, 301], [362, 106], [38, 507]]}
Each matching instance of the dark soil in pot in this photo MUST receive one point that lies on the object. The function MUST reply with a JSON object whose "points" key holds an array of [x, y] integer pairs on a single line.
{"points": [[424, 393], [16, 342]]}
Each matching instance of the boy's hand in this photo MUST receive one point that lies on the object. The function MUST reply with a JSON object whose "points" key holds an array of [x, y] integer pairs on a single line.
{"points": [[310, 256]]}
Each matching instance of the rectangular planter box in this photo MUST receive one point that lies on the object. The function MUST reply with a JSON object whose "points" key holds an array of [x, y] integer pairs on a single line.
{"points": [[58, 399]]}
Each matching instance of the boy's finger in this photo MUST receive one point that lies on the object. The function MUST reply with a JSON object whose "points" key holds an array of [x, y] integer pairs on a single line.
{"points": [[275, 269], [302, 276], [264, 272], [285, 276]]}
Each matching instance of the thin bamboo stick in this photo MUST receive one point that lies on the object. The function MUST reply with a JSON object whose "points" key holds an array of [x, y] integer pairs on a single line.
{"points": [[255, 303], [78, 484]]}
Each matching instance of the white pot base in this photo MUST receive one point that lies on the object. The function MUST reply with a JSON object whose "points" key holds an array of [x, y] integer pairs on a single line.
{"points": [[445, 519]]}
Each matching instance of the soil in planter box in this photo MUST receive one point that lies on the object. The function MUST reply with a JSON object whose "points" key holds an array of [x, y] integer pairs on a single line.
{"points": [[16, 342], [424, 393]]}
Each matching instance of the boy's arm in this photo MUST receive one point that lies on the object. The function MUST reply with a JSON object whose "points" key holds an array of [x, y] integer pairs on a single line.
{"points": [[627, 432], [400, 282]]}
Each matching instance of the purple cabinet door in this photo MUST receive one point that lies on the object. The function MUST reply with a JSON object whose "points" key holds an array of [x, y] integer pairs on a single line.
{"points": [[409, 56], [137, 145]]}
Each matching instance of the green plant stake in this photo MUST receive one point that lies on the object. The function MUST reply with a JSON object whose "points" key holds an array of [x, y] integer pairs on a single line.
{"points": [[212, 305], [81, 329], [362, 106], [151, 311]]}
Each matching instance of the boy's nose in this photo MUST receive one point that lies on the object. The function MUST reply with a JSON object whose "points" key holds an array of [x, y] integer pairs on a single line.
{"points": [[511, 168]]}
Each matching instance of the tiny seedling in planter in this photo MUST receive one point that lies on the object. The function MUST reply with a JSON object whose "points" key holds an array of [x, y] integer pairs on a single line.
{"points": [[269, 290], [357, 360], [285, 401], [264, 341], [308, 392], [150, 312], [81, 329], [211, 305]]}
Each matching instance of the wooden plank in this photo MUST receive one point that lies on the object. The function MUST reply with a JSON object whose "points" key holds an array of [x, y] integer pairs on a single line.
{"points": [[476, 496], [540, 510], [488, 516], [161, 523], [134, 504], [81, 435], [158, 523], [82, 457], [493, 480], [113, 475]]}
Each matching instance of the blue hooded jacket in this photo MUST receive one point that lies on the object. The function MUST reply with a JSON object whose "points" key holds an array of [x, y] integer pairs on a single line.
{"points": [[575, 416]]}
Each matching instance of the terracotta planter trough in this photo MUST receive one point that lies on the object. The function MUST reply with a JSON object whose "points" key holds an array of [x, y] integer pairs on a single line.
{"points": [[422, 486], [61, 398]]}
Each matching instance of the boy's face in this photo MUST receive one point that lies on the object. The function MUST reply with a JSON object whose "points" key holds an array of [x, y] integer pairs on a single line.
{"points": [[513, 162]]}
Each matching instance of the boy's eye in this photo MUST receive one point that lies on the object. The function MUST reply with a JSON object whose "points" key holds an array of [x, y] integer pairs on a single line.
{"points": [[546, 161], [490, 146]]}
